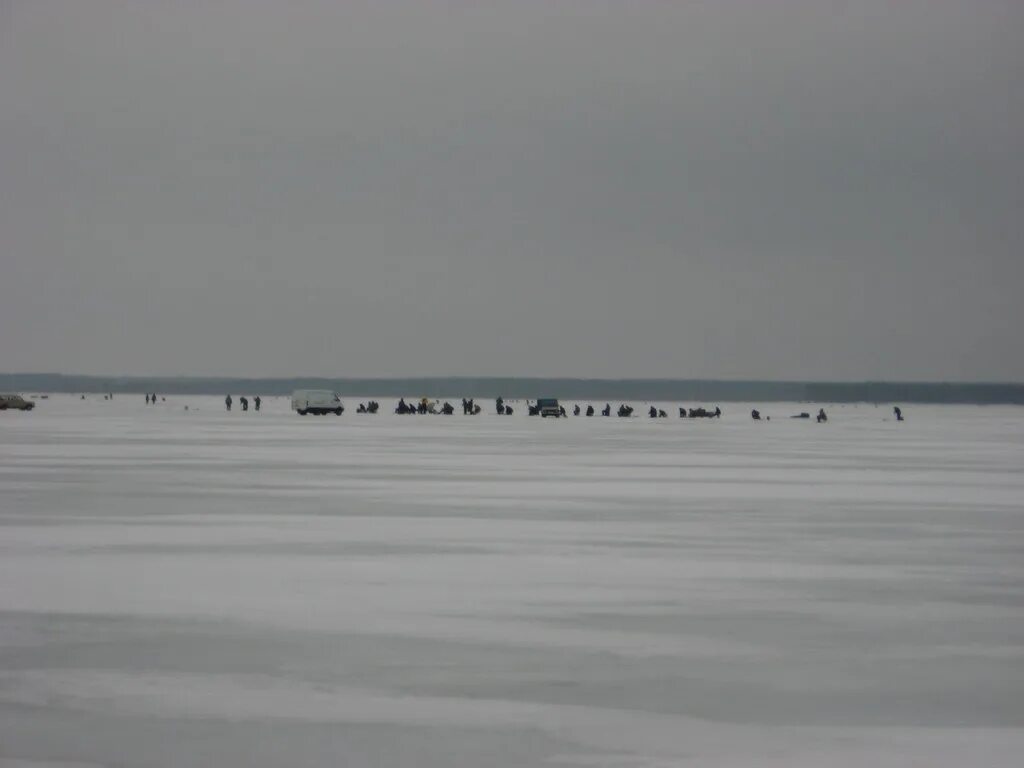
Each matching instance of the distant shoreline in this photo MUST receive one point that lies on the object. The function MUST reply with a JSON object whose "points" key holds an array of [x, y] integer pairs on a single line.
{"points": [[681, 390]]}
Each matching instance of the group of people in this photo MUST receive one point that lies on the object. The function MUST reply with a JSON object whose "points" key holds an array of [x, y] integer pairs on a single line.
{"points": [[470, 408], [150, 398], [243, 401], [424, 407]]}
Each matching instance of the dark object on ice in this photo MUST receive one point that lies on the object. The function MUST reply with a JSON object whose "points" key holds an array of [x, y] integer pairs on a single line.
{"points": [[447, 409], [508, 410], [548, 406], [898, 412], [561, 411], [662, 415], [803, 415], [256, 401], [821, 415], [576, 410], [704, 413], [227, 402], [402, 408], [607, 410], [361, 408], [755, 415], [245, 403], [147, 398], [590, 410], [653, 412], [682, 413], [372, 407], [476, 409], [625, 411], [500, 405], [15, 402]]}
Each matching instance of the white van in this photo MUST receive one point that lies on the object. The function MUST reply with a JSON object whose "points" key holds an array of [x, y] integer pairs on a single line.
{"points": [[318, 401]]}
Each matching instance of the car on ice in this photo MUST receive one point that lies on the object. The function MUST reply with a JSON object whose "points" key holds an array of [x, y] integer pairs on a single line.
{"points": [[316, 401], [15, 403], [548, 406]]}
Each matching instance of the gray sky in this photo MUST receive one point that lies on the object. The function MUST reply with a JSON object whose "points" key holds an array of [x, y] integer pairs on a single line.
{"points": [[826, 190]]}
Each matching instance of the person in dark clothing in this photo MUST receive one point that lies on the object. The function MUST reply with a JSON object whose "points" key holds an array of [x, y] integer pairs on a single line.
{"points": [[662, 415], [361, 408], [821, 415], [500, 405], [147, 398], [576, 410], [256, 401], [561, 411], [755, 415], [227, 402], [898, 412], [508, 410], [718, 412], [590, 410], [447, 409], [607, 410], [682, 413], [653, 412], [245, 402]]}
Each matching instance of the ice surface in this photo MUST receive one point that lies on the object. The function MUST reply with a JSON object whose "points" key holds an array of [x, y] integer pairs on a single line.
{"points": [[197, 588]]}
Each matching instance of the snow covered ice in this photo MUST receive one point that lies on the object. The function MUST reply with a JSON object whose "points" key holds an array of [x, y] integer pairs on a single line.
{"points": [[200, 588]]}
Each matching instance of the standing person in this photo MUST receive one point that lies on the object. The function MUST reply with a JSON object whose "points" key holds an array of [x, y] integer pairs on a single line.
{"points": [[256, 401], [245, 402], [227, 402], [147, 398]]}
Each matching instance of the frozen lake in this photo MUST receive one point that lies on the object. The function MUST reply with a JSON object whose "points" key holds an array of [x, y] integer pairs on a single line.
{"points": [[196, 588]]}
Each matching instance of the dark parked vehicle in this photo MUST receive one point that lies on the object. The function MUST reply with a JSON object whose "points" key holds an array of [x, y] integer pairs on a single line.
{"points": [[549, 407], [15, 403]]}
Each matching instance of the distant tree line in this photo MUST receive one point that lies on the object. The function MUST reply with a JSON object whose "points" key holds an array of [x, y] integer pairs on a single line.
{"points": [[699, 390]]}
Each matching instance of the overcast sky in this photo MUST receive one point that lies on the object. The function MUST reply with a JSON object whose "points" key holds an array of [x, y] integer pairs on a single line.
{"points": [[823, 190]]}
